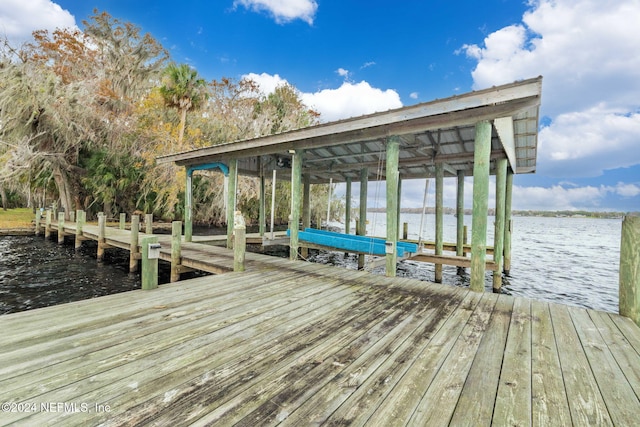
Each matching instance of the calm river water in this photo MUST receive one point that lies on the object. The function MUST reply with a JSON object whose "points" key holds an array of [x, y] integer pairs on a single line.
{"points": [[567, 260]]}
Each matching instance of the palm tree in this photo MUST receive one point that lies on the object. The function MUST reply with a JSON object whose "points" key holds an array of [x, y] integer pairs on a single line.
{"points": [[182, 89]]}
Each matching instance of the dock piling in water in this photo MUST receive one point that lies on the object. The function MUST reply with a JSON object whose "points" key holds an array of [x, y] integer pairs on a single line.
{"points": [[134, 254], [60, 227], [102, 222], [81, 217], [176, 251]]}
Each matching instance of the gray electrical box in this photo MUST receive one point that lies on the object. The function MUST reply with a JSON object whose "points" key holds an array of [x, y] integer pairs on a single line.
{"points": [[154, 250]]}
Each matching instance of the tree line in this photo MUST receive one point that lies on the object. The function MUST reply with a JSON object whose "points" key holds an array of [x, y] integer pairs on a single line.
{"points": [[84, 114]]}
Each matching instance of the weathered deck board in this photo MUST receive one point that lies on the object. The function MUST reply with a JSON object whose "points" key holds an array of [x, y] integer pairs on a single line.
{"points": [[297, 343]]}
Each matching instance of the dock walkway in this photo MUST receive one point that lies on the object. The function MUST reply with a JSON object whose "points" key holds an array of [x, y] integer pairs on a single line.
{"points": [[296, 343]]}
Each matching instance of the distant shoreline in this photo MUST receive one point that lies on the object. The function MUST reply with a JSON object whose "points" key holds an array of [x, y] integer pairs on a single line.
{"points": [[558, 214]]}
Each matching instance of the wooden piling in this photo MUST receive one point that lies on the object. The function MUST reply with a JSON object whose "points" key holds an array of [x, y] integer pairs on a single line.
{"points": [[102, 222], [134, 252], [347, 207], [188, 207], [176, 250], [498, 239], [80, 220], [405, 231], [296, 196], [481, 165], [361, 228], [72, 216], [149, 266], [508, 223], [629, 286], [262, 208], [460, 216], [123, 221], [439, 250], [240, 242], [306, 209], [231, 199], [60, 228], [393, 176], [37, 222], [148, 223], [47, 225]]}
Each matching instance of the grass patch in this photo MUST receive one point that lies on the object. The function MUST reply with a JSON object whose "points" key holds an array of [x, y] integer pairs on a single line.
{"points": [[16, 218]]}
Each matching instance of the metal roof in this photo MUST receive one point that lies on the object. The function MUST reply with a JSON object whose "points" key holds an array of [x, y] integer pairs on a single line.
{"points": [[440, 131]]}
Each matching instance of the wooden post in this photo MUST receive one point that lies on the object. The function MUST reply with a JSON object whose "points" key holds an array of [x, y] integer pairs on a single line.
{"points": [[629, 290], [231, 199], [498, 239], [47, 225], [273, 203], [460, 230], [481, 164], [361, 229], [393, 151], [399, 204], [306, 209], [439, 218], [405, 231], [188, 206], [81, 218], [134, 252], [347, 207], [148, 223], [508, 222], [261, 214], [240, 242], [123, 221], [72, 216], [296, 187], [176, 252], [60, 227], [149, 266], [37, 221], [329, 201], [102, 220]]}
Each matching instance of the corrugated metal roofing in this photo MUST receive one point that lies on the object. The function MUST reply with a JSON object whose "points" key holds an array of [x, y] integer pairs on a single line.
{"points": [[440, 131]]}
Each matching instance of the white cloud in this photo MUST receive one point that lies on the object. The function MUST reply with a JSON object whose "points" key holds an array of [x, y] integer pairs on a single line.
{"points": [[266, 82], [627, 190], [19, 18], [342, 72], [283, 11], [350, 100], [587, 53], [413, 95]]}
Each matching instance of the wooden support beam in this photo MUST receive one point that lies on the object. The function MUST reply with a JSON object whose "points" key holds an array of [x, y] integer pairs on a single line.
{"points": [[506, 135], [37, 221], [439, 218], [498, 240], [102, 231], [480, 204], [81, 218], [231, 199], [148, 223], [134, 253], [306, 209], [47, 224], [261, 214], [188, 207], [361, 230], [347, 212], [393, 176], [629, 290], [149, 265], [61, 227], [508, 222], [296, 196], [176, 250], [460, 230], [240, 242]]}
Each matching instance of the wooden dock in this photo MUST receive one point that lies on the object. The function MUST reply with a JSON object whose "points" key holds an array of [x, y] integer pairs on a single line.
{"points": [[296, 343]]}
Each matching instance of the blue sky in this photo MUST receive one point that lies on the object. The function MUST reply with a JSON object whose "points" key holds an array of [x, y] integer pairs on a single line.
{"points": [[349, 58]]}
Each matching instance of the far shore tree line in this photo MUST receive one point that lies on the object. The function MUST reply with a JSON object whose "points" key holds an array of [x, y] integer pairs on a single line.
{"points": [[84, 114]]}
